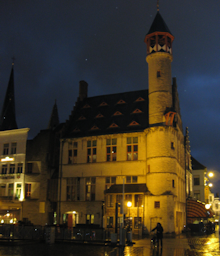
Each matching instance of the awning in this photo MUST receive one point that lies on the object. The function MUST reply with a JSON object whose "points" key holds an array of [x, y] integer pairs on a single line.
{"points": [[196, 209]]}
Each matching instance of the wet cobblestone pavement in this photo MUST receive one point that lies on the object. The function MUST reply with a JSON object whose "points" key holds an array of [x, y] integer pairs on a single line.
{"points": [[178, 246]]}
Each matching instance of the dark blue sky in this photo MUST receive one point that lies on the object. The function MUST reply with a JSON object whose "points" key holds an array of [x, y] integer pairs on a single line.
{"points": [[57, 43]]}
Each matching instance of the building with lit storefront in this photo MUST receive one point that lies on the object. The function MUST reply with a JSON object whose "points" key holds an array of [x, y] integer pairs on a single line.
{"points": [[135, 138], [28, 168]]}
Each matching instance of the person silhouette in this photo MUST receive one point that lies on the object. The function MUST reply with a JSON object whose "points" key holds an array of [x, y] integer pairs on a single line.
{"points": [[159, 230]]}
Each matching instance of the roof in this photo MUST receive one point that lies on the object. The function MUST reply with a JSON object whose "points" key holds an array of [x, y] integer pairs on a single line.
{"points": [[128, 188], [158, 25], [196, 165], [109, 114], [8, 118], [196, 209]]}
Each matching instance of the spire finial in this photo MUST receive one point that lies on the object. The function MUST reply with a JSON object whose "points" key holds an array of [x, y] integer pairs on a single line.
{"points": [[158, 5], [13, 60]]}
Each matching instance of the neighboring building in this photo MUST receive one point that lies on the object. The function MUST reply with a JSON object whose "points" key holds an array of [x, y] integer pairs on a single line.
{"points": [[216, 206], [200, 190], [132, 137], [28, 168], [42, 162], [13, 158]]}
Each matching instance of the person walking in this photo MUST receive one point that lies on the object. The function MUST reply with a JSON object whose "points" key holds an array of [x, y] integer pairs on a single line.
{"points": [[159, 229]]}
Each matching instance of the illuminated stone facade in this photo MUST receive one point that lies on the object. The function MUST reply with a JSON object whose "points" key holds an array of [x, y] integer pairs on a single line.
{"points": [[135, 138]]}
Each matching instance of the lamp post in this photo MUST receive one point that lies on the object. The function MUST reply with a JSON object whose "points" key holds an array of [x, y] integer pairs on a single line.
{"points": [[129, 234], [129, 206]]}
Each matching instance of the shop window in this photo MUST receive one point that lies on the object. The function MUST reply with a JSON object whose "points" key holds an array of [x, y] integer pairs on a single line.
{"points": [[128, 198], [91, 151], [109, 222], [2, 189], [89, 218], [137, 222], [111, 150], [138, 200], [110, 201]]}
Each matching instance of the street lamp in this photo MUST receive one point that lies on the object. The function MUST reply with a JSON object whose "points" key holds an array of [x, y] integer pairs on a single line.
{"points": [[210, 174], [129, 206]]}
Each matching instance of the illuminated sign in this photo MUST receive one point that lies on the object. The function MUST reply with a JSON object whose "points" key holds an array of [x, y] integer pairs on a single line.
{"points": [[7, 159]]}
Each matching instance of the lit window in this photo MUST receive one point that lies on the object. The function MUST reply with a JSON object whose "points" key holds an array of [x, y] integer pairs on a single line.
{"points": [[5, 149], [111, 150], [72, 152], [89, 218], [13, 148], [109, 181], [90, 189], [110, 201], [137, 222], [18, 191], [109, 222], [138, 200], [27, 190], [91, 151], [132, 148], [197, 194]]}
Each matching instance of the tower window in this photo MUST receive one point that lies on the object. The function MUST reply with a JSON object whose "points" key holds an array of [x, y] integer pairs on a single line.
{"points": [[156, 204], [158, 73]]}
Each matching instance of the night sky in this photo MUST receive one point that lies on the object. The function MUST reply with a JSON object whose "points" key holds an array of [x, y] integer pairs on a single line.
{"points": [[57, 43]]}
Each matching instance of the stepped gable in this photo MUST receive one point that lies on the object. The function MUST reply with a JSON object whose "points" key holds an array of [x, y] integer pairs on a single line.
{"points": [[109, 114]]}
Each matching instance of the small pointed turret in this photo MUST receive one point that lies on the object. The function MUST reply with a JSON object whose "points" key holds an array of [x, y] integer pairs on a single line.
{"points": [[159, 37], [8, 118], [54, 118]]}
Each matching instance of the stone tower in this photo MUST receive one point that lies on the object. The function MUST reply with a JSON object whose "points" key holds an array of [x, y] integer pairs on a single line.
{"points": [[165, 141], [159, 57]]}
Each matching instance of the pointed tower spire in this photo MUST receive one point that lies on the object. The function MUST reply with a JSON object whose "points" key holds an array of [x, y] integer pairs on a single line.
{"points": [[158, 5], [8, 118], [54, 118]]}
